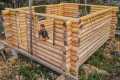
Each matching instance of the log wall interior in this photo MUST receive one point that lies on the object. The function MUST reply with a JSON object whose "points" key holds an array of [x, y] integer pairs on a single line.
{"points": [[72, 40]]}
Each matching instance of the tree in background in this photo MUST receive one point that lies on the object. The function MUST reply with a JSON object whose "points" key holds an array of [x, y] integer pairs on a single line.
{"points": [[13, 3]]}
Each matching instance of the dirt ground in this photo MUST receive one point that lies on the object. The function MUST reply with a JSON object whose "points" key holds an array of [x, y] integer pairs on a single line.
{"points": [[9, 71]]}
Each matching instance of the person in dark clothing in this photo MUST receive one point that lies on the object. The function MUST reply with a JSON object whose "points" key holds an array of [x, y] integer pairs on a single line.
{"points": [[43, 32]]}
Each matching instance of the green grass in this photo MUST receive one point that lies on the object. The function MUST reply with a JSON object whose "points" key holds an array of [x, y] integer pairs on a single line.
{"points": [[98, 60], [31, 72]]}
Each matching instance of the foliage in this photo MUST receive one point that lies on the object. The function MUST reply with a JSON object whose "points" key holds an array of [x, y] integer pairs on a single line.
{"points": [[100, 61], [26, 72], [96, 76], [31, 73], [40, 9], [69, 0], [97, 58]]}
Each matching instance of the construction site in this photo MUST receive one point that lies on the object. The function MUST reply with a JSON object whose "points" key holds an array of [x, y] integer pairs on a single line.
{"points": [[61, 41]]}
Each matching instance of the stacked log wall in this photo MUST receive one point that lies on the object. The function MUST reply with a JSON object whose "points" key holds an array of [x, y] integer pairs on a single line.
{"points": [[72, 47], [57, 9], [94, 33], [10, 28], [96, 8], [22, 19], [73, 40], [71, 10], [51, 51]]}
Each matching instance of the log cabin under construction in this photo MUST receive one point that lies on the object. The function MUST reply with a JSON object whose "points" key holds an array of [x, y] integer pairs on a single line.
{"points": [[75, 32]]}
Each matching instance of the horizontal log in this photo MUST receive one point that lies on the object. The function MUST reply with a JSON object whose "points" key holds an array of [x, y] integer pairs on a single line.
{"points": [[53, 56], [88, 44], [83, 47], [84, 56], [52, 48], [60, 22], [92, 36], [95, 14], [49, 61], [59, 26], [61, 31], [83, 23], [59, 35], [93, 31], [89, 29]]}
